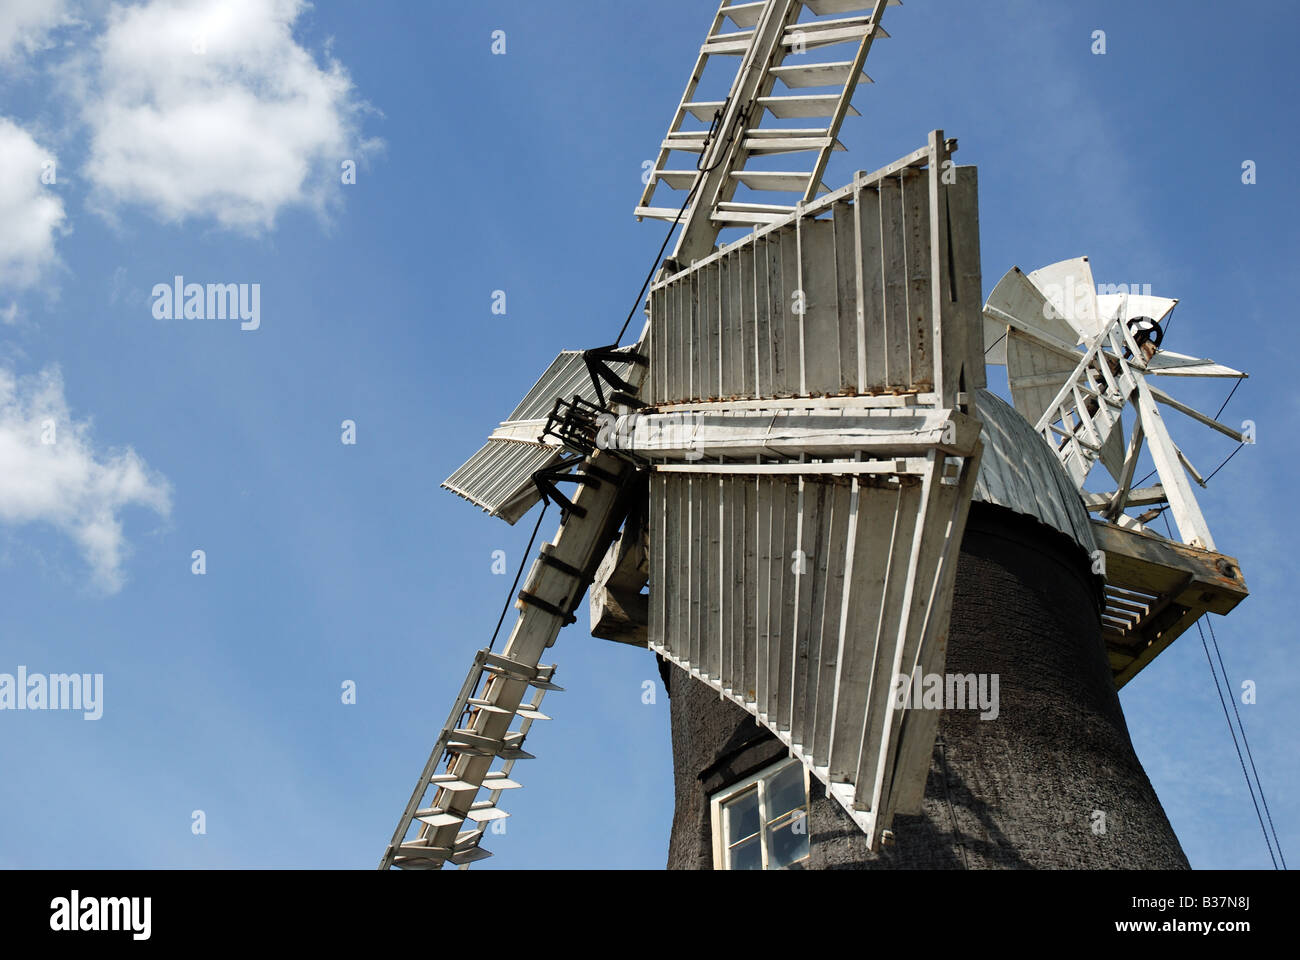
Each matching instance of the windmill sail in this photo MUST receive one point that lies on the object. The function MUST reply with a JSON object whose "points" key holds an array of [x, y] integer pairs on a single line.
{"points": [[499, 478], [1075, 393], [1076, 396], [783, 41], [813, 450]]}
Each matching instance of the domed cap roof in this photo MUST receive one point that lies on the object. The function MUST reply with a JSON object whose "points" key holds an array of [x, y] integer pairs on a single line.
{"points": [[1020, 472]]}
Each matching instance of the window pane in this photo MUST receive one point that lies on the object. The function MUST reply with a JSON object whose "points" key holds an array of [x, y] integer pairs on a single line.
{"points": [[787, 842], [785, 792], [747, 855], [742, 816]]}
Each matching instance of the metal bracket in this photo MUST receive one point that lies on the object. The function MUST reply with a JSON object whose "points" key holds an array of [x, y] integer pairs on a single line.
{"points": [[598, 361], [547, 478], [575, 423]]}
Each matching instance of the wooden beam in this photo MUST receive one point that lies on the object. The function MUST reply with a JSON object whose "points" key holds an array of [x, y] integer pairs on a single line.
{"points": [[1154, 564], [1184, 581]]}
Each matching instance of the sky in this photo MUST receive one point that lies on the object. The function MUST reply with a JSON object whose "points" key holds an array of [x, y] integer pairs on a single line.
{"points": [[379, 173]]}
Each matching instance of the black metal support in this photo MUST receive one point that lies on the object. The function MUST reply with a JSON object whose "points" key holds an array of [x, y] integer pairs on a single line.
{"points": [[598, 360], [575, 423], [547, 478], [534, 601]]}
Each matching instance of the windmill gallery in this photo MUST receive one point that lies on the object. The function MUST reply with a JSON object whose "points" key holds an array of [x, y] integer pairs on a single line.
{"points": [[794, 489]]}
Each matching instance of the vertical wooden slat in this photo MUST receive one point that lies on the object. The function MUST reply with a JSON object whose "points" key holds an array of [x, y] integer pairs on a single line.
{"points": [[843, 512], [745, 301], [706, 359], [917, 251], [682, 597], [895, 627], [763, 297], [775, 624], [687, 320], [658, 546], [711, 629], [788, 384], [818, 499], [762, 606], [805, 537], [788, 597], [864, 622], [923, 558], [749, 620], [945, 357], [917, 729], [821, 320], [964, 226], [846, 295], [732, 515], [893, 239], [873, 345], [775, 315], [691, 382], [699, 572], [730, 346]]}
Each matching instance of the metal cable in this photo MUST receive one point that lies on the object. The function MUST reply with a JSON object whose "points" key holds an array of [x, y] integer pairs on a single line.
{"points": [[1216, 417], [1231, 730], [708, 139], [1246, 743]]}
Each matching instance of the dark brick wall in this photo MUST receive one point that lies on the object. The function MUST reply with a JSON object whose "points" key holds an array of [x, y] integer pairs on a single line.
{"points": [[1019, 791]]}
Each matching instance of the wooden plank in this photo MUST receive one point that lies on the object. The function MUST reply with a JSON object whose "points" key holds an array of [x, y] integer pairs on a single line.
{"points": [[821, 319], [713, 638], [945, 356], [964, 227], [917, 728], [846, 295], [680, 600], [843, 103], [826, 628], [774, 494], [897, 340], [926, 545], [789, 381], [745, 300], [1196, 415], [1182, 502], [697, 574], [771, 328], [810, 570], [868, 621], [872, 350], [751, 591], [1155, 565], [706, 358], [732, 345], [919, 266], [681, 344], [659, 554], [787, 597]]}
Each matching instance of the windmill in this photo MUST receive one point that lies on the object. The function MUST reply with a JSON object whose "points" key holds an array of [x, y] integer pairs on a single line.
{"points": [[788, 454], [831, 397], [1076, 362]]}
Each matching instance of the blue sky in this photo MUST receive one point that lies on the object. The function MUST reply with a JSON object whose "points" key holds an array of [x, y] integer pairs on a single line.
{"points": [[329, 562]]}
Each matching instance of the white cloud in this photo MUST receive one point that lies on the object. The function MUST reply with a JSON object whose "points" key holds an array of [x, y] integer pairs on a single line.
{"points": [[67, 483], [210, 108], [30, 212], [25, 24]]}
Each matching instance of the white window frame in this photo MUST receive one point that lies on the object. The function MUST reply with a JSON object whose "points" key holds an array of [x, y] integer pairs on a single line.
{"points": [[721, 849]]}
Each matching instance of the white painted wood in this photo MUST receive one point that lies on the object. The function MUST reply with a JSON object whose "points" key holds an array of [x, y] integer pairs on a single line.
{"points": [[766, 35], [1196, 415], [1069, 287]]}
